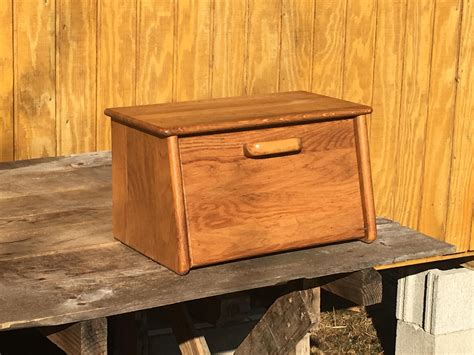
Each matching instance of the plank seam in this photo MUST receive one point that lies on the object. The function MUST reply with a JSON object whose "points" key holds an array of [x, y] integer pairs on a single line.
{"points": [[57, 127], [280, 40], [311, 64], [247, 40], [453, 128], [174, 89], [453, 117], [96, 87], [400, 105], [137, 50], [374, 60], [15, 70], [13, 42], [344, 52], [433, 26], [97, 70], [212, 5]]}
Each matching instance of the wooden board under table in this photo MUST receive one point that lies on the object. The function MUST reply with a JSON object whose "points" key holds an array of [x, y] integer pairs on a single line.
{"points": [[59, 262]]}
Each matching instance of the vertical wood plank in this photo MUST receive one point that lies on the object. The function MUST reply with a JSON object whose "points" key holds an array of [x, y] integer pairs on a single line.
{"points": [[155, 51], [439, 130], [328, 47], [264, 24], [413, 112], [116, 59], [389, 54], [461, 183], [76, 75], [35, 94], [296, 45], [359, 52], [229, 46], [193, 49], [6, 81], [359, 56]]}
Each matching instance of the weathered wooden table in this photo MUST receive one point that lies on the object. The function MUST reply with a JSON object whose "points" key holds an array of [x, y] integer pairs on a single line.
{"points": [[59, 262]]}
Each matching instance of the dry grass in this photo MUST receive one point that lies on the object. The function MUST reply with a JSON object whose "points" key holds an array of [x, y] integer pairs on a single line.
{"points": [[345, 331]]}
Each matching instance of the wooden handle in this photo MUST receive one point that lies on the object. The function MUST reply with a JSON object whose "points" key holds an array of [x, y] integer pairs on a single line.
{"points": [[265, 149]]}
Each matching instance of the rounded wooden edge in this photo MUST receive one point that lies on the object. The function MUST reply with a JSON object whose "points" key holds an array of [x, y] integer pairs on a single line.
{"points": [[271, 148], [184, 258], [365, 177]]}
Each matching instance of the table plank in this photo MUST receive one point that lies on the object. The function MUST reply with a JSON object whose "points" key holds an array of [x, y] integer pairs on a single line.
{"points": [[59, 262]]}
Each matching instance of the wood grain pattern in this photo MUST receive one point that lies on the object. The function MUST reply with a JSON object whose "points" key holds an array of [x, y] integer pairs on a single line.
{"points": [[296, 45], [362, 287], [438, 140], [272, 148], [426, 260], [155, 52], [359, 50], [413, 112], [6, 81], [103, 279], [203, 116], [284, 324], [35, 94], [229, 48], [82, 338], [150, 217], [193, 40], [365, 178], [309, 198], [387, 84], [460, 216], [116, 60], [328, 48], [76, 76], [263, 46]]}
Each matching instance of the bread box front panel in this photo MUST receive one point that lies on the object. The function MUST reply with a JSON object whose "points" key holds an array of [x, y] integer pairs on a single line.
{"points": [[244, 201]]}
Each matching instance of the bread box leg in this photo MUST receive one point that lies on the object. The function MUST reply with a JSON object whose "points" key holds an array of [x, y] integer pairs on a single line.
{"points": [[365, 178], [146, 181]]}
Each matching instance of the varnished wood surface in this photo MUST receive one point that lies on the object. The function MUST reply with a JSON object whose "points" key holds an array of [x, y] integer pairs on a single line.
{"points": [[192, 117], [271, 148], [365, 177], [239, 207], [72, 277], [148, 210]]}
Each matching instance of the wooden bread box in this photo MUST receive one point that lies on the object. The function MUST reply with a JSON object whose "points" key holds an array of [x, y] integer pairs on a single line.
{"points": [[203, 182]]}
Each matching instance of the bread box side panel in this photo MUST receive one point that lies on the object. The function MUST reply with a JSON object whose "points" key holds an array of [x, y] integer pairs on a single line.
{"points": [[238, 206], [148, 204]]}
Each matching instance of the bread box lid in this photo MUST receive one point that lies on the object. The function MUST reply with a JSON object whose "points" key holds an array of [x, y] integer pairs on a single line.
{"points": [[235, 113]]}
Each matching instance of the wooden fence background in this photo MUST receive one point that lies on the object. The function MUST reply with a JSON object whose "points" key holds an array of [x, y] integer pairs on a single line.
{"points": [[63, 61]]}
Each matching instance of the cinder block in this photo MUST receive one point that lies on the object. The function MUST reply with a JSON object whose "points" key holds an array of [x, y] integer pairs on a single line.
{"points": [[437, 301], [411, 298], [412, 339], [449, 302]]}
